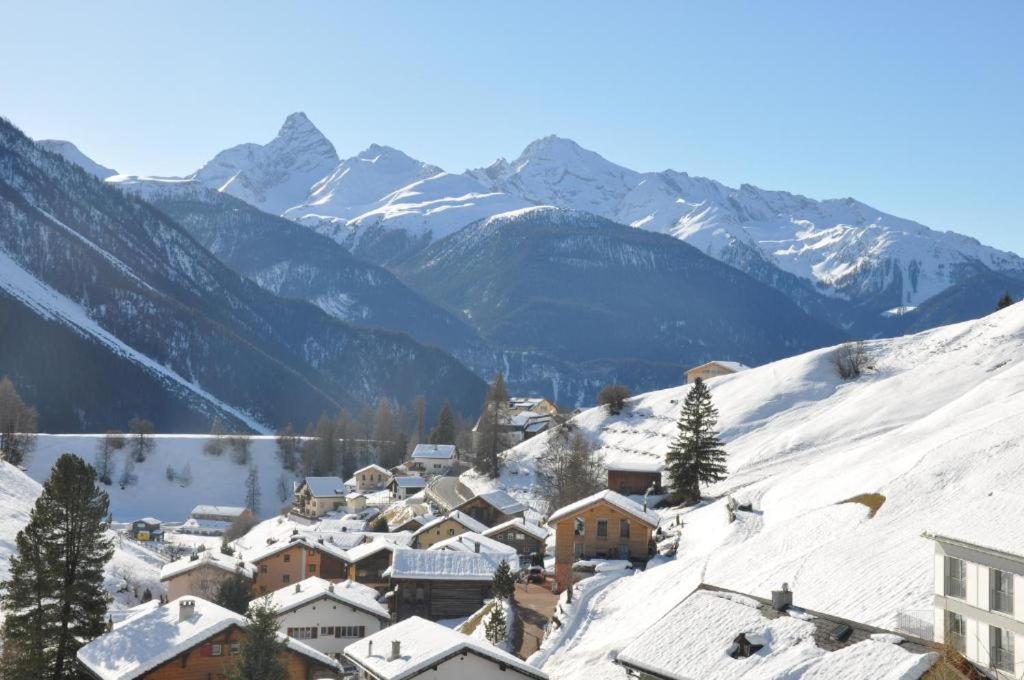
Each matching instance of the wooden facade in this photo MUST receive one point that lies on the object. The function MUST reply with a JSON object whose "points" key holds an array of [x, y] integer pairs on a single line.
{"points": [[435, 599], [634, 482], [440, 531], [294, 563], [482, 511], [524, 544], [369, 570]]}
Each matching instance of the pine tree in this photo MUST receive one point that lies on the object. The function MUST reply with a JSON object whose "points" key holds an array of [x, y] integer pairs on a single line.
{"points": [[261, 652], [696, 455], [444, 433], [490, 436], [288, 447], [252, 490], [496, 628], [504, 583], [420, 406], [54, 597], [214, 445], [1004, 301], [234, 593]]}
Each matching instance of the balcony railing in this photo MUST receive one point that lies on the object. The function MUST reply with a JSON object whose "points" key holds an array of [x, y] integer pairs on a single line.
{"points": [[1002, 659], [956, 587], [1001, 602]]}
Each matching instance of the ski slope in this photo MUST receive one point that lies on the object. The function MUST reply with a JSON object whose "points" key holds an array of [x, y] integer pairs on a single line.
{"points": [[935, 427]]}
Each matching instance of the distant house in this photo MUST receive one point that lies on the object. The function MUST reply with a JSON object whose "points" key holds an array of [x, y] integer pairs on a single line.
{"points": [[328, 616], [187, 639], [355, 503], [534, 404], [371, 478], [473, 542], [146, 529], [434, 458], [713, 369], [368, 562], [718, 633], [606, 525], [411, 524], [979, 583], [526, 538], [635, 477], [440, 584], [417, 648], [290, 561], [316, 496], [493, 507], [403, 487], [202, 574], [212, 520], [440, 528]]}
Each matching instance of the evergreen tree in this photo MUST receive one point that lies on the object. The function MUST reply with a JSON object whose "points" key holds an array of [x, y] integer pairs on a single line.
{"points": [[234, 593], [141, 443], [420, 405], [496, 628], [252, 490], [504, 583], [260, 657], [54, 597], [241, 448], [490, 438], [17, 424], [696, 455], [214, 445], [444, 433], [288, 447], [1004, 301]]}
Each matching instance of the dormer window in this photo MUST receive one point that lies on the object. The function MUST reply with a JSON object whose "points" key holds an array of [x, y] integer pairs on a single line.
{"points": [[745, 645]]}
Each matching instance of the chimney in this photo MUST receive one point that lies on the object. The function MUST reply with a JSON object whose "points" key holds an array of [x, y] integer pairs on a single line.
{"points": [[369, 652], [476, 546], [330, 588], [396, 650], [781, 599], [186, 609]]}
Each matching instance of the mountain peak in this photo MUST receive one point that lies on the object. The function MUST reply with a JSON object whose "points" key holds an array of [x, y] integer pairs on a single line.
{"points": [[73, 154], [297, 123]]}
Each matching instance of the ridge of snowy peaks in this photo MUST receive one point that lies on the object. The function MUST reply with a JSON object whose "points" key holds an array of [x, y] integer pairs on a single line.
{"points": [[844, 247], [73, 154], [933, 428], [277, 175]]}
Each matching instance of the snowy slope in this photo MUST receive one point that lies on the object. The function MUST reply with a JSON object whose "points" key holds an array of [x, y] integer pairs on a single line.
{"points": [[935, 427], [72, 154]]}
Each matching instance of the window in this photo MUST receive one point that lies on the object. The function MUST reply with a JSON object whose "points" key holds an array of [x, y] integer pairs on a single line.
{"points": [[624, 551], [1001, 591], [326, 631], [1001, 644], [577, 549], [286, 578], [236, 649], [579, 527], [263, 569], [312, 569], [602, 528], [287, 557], [623, 528], [956, 577], [351, 631], [956, 631], [216, 650], [304, 633], [451, 532], [520, 537]]}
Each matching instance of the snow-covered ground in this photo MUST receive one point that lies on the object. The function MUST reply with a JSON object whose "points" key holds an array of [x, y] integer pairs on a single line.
{"points": [[935, 426], [215, 480]]}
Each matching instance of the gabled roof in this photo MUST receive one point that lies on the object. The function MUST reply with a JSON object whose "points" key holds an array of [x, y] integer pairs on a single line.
{"points": [[322, 487], [207, 558], [434, 451], [613, 498], [474, 542], [733, 366], [633, 465], [462, 518], [444, 565], [364, 550], [410, 482], [315, 588], [144, 642], [304, 540], [499, 500], [226, 510], [425, 644], [517, 524], [373, 467]]}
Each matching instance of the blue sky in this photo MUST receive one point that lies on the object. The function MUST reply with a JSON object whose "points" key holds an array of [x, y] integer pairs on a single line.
{"points": [[914, 107]]}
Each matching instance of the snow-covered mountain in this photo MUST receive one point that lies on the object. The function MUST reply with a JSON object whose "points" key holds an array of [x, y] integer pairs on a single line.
{"points": [[845, 248], [73, 154], [934, 428]]}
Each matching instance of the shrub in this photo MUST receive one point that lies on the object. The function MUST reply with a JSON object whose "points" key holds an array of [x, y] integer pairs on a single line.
{"points": [[614, 398]]}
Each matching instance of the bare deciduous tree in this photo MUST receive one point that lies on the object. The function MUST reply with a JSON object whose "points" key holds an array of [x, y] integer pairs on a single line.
{"points": [[569, 469], [17, 424], [850, 359], [614, 398]]}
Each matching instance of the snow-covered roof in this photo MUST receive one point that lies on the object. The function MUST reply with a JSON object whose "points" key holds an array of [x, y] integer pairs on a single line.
{"points": [[444, 565], [148, 520], [517, 524], [633, 465], [425, 644], [446, 451], [144, 642], [462, 518], [373, 467], [500, 500], [984, 522], [325, 486], [694, 640], [364, 550], [310, 542], [733, 366], [222, 510], [410, 482], [207, 558], [613, 498], [315, 588], [469, 541]]}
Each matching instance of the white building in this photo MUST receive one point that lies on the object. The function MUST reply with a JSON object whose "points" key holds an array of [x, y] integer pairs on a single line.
{"points": [[371, 478], [403, 487], [417, 648], [212, 520], [328, 616], [979, 583], [435, 458]]}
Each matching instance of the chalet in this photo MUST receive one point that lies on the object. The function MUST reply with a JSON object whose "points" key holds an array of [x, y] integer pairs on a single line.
{"points": [[355, 503], [713, 369], [979, 583], [420, 649], [412, 524], [493, 507], [368, 562], [440, 584], [316, 496], [717, 633], [635, 477], [290, 561], [328, 616], [478, 543], [201, 574], [187, 639], [527, 539], [212, 520], [371, 478], [533, 404], [605, 525], [146, 529], [404, 486], [452, 524], [434, 458]]}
